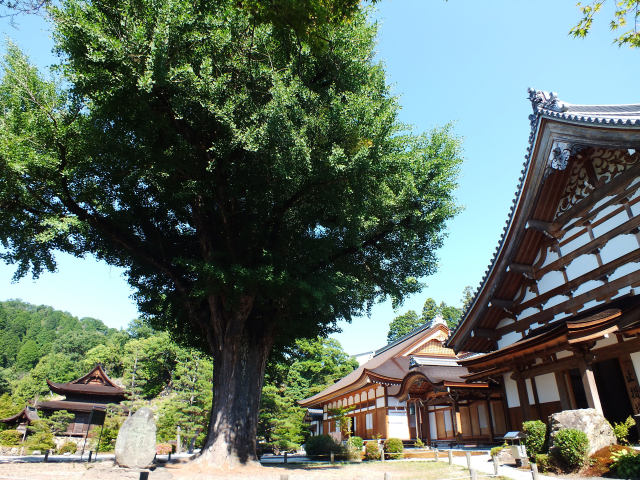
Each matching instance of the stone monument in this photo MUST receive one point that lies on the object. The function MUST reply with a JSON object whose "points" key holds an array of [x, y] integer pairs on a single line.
{"points": [[136, 442], [588, 420]]}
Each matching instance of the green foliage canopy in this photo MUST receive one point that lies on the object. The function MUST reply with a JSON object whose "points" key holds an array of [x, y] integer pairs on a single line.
{"points": [[626, 14]]}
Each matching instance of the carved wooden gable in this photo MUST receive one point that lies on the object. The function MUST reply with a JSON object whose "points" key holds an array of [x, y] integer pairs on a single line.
{"points": [[591, 251]]}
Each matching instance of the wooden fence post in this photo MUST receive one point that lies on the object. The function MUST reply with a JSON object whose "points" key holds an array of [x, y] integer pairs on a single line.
{"points": [[285, 457], [381, 453], [331, 457], [495, 465], [468, 455], [473, 474], [450, 454], [284, 477], [435, 455], [534, 471], [387, 476]]}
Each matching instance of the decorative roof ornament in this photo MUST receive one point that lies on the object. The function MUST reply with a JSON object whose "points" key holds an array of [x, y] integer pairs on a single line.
{"points": [[438, 320], [559, 156]]}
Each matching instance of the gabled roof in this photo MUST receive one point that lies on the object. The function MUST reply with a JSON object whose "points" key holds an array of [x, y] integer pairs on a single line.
{"points": [[96, 382], [552, 121], [389, 365], [27, 414]]}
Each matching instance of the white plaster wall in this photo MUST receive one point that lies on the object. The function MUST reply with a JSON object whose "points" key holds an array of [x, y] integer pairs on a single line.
{"points": [[576, 243], [617, 247], [527, 312], [587, 286], [511, 389], [604, 212], [433, 429], [604, 200], [394, 402], [570, 232], [448, 425], [397, 424], [550, 280], [635, 358], [529, 295], [555, 300], [563, 354], [482, 415], [509, 338], [547, 388], [635, 209], [581, 265], [611, 223], [624, 270], [551, 257], [380, 402], [622, 291], [603, 342], [505, 321], [590, 304], [532, 400]]}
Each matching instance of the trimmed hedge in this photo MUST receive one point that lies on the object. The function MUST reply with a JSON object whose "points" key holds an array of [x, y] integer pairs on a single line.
{"points": [[394, 448], [356, 442], [535, 435], [570, 448], [322, 445], [371, 450], [10, 438], [68, 447], [625, 464]]}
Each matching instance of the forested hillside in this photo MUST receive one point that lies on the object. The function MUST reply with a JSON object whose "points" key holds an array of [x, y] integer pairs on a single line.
{"points": [[39, 343]]}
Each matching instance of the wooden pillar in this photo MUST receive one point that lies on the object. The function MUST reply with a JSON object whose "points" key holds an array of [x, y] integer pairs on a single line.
{"points": [[505, 408], [455, 415], [572, 395], [523, 397], [565, 400], [589, 383], [536, 399]]}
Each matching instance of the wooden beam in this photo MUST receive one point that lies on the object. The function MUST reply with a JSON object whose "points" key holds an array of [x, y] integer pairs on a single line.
{"points": [[550, 229], [573, 304], [489, 333], [500, 303], [526, 270], [523, 397], [571, 285]]}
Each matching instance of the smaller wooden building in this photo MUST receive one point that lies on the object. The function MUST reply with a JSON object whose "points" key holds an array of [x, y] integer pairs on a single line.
{"points": [[21, 420], [412, 388], [86, 397]]}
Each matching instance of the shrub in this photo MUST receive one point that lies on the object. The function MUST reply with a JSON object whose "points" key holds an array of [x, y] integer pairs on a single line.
{"points": [[625, 464], [40, 441], [570, 448], [495, 451], [322, 445], [357, 442], [418, 443], [371, 450], [67, 447], [10, 438], [543, 462], [621, 430], [535, 434], [394, 447], [354, 453], [163, 448]]}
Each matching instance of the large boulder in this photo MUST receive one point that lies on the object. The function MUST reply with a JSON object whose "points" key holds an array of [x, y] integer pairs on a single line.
{"points": [[136, 442], [587, 420]]}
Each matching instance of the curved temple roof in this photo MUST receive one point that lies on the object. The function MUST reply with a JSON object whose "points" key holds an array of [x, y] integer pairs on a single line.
{"points": [[546, 107], [96, 382]]}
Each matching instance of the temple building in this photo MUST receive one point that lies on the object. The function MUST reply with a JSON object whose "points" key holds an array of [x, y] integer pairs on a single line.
{"points": [[412, 388], [556, 318], [86, 397]]}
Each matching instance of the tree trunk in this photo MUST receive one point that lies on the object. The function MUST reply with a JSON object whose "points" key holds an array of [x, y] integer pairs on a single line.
{"points": [[238, 375]]}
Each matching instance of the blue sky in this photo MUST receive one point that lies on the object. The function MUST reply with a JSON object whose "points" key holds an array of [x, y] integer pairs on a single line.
{"points": [[461, 61]]}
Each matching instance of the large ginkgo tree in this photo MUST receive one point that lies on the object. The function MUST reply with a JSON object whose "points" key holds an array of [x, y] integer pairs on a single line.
{"points": [[250, 175]]}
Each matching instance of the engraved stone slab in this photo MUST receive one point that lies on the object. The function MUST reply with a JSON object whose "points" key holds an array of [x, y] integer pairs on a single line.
{"points": [[136, 442]]}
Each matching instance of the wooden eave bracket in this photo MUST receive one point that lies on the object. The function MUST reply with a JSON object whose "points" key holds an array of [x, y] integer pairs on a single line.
{"points": [[479, 332], [549, 229], [526, 270]]}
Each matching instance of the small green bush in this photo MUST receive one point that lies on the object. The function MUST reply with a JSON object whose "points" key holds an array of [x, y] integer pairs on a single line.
{"points": [[418, 443], [394, 448], [40, 441], [67, 447], [10, 438], [371, 450], [621, 430], [543, 461], [322, 445], [570, 448], [357, 442], [495, 451], [625, 464], [535, 434]]}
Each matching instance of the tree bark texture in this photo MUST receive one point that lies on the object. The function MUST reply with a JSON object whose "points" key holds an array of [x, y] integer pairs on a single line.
{"points": [[239, 362]]}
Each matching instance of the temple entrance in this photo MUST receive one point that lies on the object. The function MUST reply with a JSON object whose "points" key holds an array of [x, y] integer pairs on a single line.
{"points": [[613, 391], [579, 394]]}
